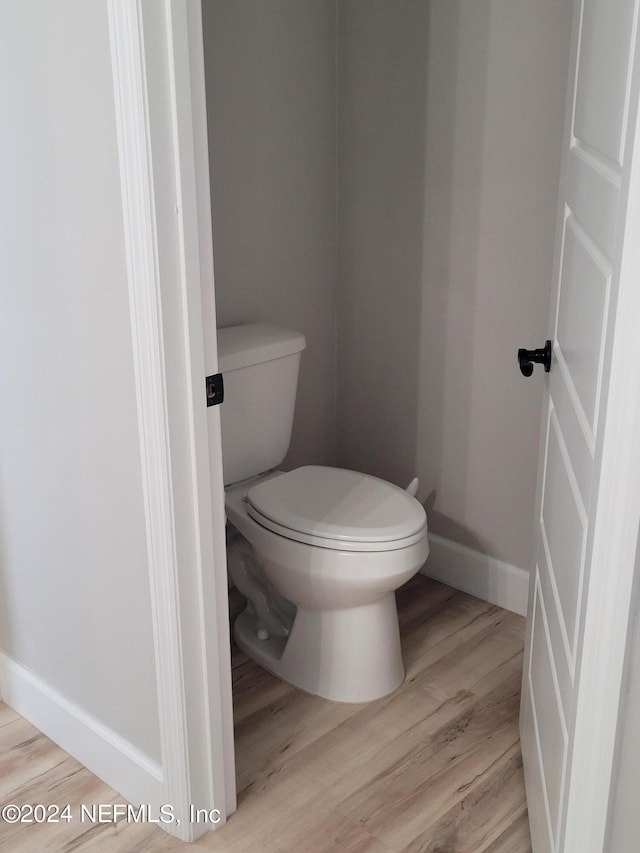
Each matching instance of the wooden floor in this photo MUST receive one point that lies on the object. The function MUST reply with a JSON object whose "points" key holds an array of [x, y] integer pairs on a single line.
{"points": [[435, 767]]}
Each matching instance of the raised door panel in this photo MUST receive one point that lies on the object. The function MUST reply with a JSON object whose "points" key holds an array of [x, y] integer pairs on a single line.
{"points": [[593, 193], [558, 640], [582, 304], [578, 438], [563, 528], [603, 72], [551, 730]]}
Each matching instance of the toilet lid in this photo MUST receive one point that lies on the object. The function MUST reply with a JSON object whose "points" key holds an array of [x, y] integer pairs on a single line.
{"points": [[338, 505]]}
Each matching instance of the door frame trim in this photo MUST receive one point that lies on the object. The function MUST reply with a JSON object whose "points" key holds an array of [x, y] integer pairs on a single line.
{"points": [[184, 506]]}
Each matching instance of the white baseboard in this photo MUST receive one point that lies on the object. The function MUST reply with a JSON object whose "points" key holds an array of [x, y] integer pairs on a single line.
{"points": [[101, 750], [479, 575]]}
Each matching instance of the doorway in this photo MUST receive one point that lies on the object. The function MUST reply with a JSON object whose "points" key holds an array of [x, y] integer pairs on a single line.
{"points": [[384, 178]]}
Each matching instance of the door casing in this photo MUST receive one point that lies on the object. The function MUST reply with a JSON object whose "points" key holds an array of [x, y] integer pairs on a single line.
{"points": [[158, 71]]}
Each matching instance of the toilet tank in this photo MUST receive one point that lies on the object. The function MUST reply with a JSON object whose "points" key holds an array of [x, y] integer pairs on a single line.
{"points": [[259, 364]]}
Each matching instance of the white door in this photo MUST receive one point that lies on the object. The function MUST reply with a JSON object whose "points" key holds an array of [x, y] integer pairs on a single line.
{"points": [[579, 595]]}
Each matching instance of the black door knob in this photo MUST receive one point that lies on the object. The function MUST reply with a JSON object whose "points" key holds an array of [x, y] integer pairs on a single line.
{"points": [[527, 358]]}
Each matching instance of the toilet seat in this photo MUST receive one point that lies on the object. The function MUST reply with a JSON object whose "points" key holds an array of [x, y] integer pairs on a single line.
{"points": [[337, 509]]}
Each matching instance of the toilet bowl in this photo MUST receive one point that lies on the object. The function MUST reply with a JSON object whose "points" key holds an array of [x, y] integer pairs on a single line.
{"points": [[317, 551], [336, 544]]}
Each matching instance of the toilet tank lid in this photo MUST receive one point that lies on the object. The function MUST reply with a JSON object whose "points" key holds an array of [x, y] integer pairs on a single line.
{"points": [[252, 343]]}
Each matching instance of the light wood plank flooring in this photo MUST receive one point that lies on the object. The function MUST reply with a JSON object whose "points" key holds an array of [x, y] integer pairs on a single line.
{"points": [[435, 767]]}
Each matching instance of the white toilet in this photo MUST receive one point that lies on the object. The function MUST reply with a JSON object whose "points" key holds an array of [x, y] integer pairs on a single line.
{"points": [[317, 551]]}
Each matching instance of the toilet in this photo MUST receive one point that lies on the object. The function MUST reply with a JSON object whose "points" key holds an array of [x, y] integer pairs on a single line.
{"points": [[318, 551]]}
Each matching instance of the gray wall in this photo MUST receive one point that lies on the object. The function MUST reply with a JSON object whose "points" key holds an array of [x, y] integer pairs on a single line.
{"points": [[270, 76], [624, 815], [382, 62], [440, 123], [450, 127], [74, 586]]}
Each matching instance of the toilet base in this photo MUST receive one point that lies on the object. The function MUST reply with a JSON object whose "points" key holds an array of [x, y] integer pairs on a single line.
{"points": [[350, 655]]}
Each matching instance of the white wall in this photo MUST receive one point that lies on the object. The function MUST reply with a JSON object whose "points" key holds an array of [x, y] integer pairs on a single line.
{"points": [[74, 590], [450, 127], [270, 76]]}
